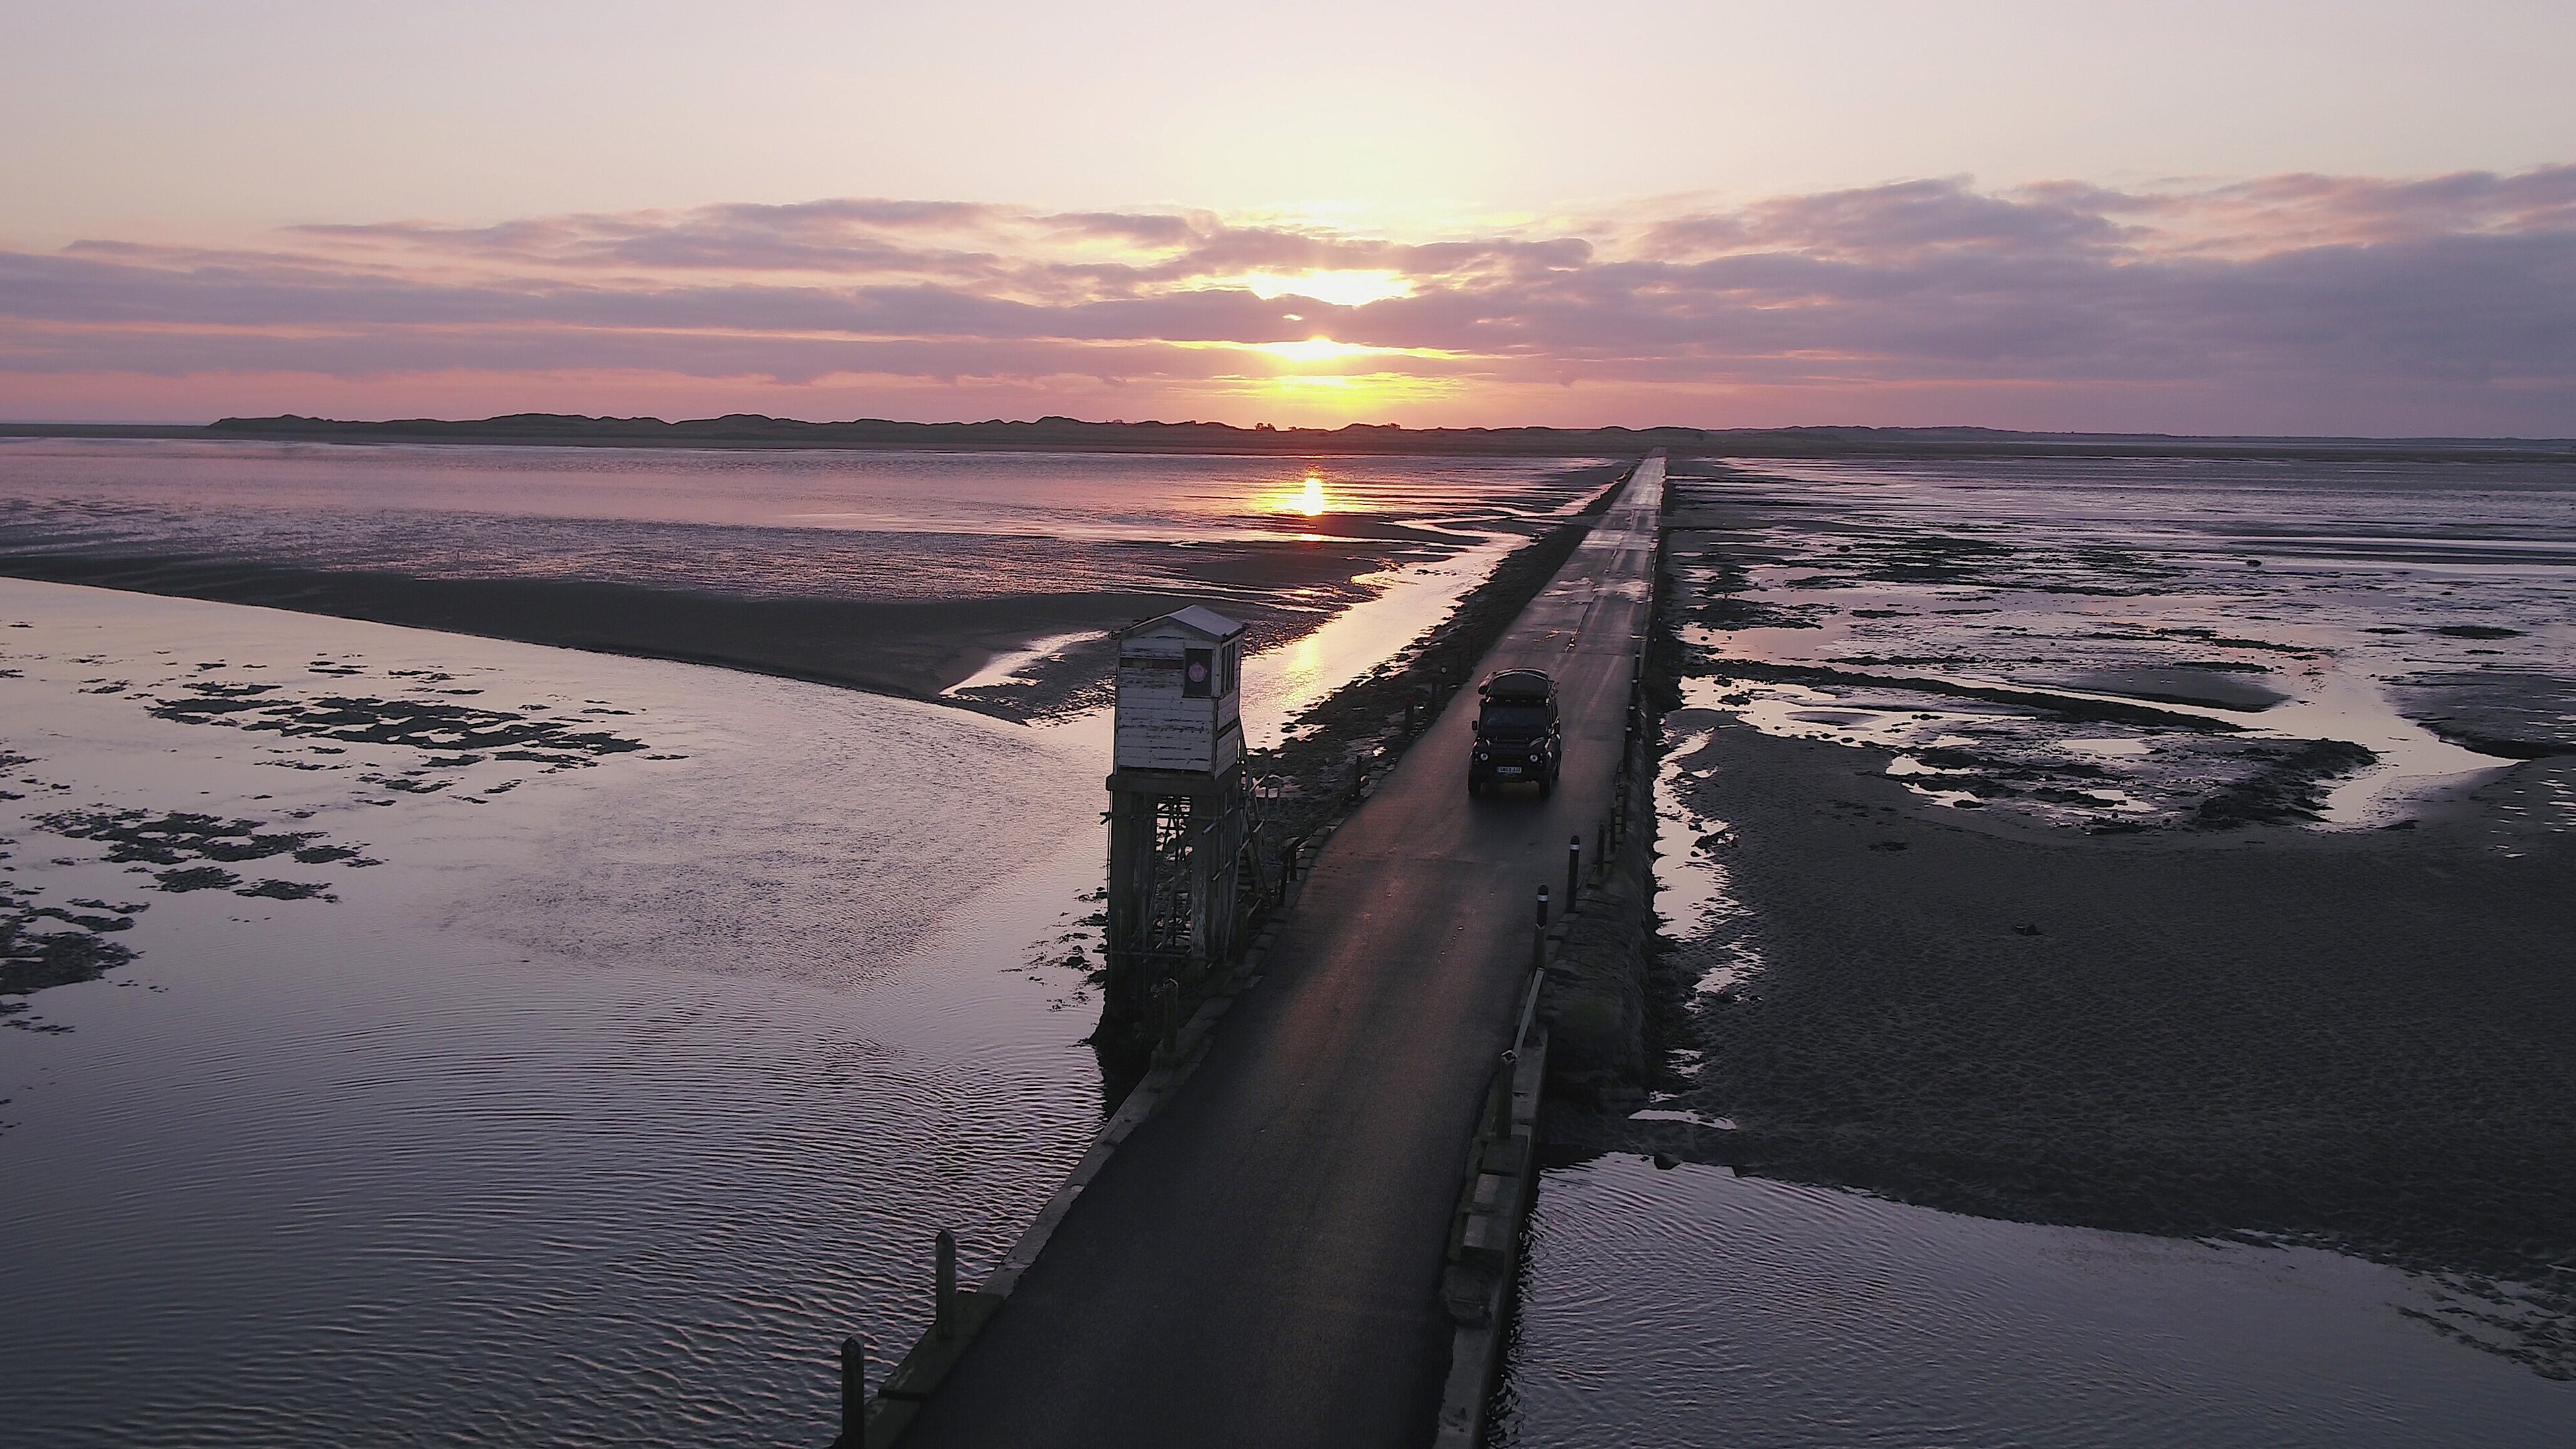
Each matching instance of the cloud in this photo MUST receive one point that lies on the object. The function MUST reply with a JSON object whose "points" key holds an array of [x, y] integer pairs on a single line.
{"points": [[2330, 295]]}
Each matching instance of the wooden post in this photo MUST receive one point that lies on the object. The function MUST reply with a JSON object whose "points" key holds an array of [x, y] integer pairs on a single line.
{"points": [[1573, 868], [1131, 872], [1538, 939], [854, 1392], [943, 1287], [1601, 848]]}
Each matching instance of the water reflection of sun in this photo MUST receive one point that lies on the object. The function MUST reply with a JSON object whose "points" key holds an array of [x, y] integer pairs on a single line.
{"points": [[1305, 664], [1304, 496]]}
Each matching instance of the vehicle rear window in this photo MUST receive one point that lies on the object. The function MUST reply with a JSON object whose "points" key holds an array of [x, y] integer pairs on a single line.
{"points": [[1516, 716]]}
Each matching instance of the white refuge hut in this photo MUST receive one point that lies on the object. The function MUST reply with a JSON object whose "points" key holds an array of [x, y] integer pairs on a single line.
{"points": [[1182, 837], [1180, 694]]}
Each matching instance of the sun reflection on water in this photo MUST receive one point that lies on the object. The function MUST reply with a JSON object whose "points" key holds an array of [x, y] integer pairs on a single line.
{"points": [[1304, 495], [1304, 665]]}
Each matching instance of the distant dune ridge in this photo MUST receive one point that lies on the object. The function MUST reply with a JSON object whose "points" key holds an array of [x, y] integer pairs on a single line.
{"points": [[754, 430]]}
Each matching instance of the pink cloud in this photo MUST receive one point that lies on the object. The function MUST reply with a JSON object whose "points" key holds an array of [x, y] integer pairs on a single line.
{"points": [[2279, 304]]}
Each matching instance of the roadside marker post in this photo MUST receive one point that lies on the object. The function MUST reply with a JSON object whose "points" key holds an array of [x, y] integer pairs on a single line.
{"points": [[854, 1391], [943, 1307]]}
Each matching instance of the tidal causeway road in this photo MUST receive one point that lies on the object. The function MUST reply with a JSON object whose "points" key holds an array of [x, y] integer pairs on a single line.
{"points": [[1259, 1264]]}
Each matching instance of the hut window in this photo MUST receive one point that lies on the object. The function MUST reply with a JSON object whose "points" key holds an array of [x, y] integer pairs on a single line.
{"points": [[1198, 674]]}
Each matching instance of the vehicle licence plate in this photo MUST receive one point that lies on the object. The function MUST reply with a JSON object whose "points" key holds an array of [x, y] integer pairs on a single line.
{"points": [[1507, 769]]}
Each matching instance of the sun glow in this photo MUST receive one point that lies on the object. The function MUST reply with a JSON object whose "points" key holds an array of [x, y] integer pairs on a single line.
{"points": [[1314, 349], [1341, 289], [1311, 503]]}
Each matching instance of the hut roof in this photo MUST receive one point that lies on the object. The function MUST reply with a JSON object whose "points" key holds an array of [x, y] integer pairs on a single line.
{"points": [[1198, 618]]}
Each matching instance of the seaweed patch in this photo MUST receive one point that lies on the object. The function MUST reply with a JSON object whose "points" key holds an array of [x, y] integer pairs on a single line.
{"points": [[449, 730], [44, 945], [175, 836], [196, 846]]}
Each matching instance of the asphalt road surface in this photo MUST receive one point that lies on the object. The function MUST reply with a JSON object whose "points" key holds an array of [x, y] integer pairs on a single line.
{"points": [[1259, 1264]]}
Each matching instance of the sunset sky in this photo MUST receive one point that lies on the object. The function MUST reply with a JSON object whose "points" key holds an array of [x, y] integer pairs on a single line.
{"points": [[2273, 218]]}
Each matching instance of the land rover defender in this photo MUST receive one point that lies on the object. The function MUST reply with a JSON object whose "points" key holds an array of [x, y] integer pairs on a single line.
{"points": [[1516, 732]]}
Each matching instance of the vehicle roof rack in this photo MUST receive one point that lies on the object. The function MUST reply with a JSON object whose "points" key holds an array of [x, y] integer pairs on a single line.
{"points": [[1529, 684]]}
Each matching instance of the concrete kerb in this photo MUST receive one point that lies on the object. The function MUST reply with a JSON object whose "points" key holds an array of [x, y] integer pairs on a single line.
{"points": [[1502, 1186], [1502, 1171], [1499, 1191]]}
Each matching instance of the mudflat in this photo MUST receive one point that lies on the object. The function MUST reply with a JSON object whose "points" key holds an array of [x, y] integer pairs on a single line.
{"points": [[2165, 849], [2065, 861], [908, 647], [2354, 1036]]}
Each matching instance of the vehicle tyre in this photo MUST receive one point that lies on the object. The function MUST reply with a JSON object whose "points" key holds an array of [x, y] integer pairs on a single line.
{"points": [[1474, 787], [1546, 786]]}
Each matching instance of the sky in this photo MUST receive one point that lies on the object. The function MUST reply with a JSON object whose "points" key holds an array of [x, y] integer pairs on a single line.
{"points": [[2356, 218]]}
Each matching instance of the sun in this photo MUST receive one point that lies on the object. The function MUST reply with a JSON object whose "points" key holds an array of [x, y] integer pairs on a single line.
{"points": [[1312, 504]]}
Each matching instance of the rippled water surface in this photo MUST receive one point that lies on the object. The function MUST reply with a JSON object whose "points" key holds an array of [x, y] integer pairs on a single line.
{"points": [[1691, 1306], [591, 1100]]}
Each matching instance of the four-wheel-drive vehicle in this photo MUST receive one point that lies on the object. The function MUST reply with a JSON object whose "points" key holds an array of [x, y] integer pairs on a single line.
{"points": [[1516, 732]]}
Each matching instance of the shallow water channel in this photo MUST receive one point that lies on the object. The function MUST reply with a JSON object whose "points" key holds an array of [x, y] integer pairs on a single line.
{"points": [[1691, 1306]]}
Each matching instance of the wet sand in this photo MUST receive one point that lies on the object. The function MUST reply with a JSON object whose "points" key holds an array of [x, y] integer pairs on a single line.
{"points": [[2352, 1037], [2168, 850], [908, 647]]}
